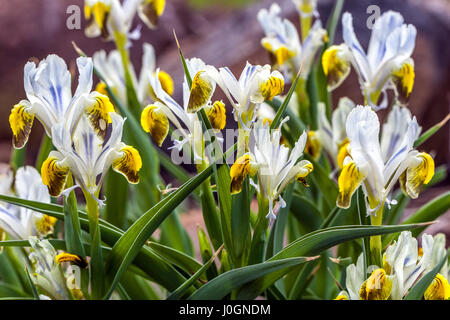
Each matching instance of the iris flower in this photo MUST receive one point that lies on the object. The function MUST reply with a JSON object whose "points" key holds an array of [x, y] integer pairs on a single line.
{"points": [[273, 163], [378, 167], [19, 222], [88, 157], [283, 42], [50, 99], [108, 17], [386, 65]]}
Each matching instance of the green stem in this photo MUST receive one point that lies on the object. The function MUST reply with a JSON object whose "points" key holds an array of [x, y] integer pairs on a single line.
{"points": [[133, 102], [96, 262], [375, 241], [306, 26], [18, 158], [303, 102], [260, 232]]}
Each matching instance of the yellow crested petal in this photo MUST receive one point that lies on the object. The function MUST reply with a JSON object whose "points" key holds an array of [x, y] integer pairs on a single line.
{"points": [[155, 122], [403, 79], [377, 287], [21, 122], [413, 178], [349, 180], [98, 114], [343, 153], [335, 66], [282, 54], [341, 297], [74, 258], [45, 225], [272, 87], [150, 11], [305, 170], [101, 88], [201, 91], [217, 115], [439, 289], [166, 82], [243, 166], [128, 164], [54, 175], [97, 14], [313, 146]]}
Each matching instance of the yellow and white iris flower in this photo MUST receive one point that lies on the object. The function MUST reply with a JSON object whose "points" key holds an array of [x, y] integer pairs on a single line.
{"points": [[282, 41], [255, 85], [155, 117], [50, 99], [386, 65], [88, 157], [48, 274], [333, 136], [19, 222], [111, 69], [273, 163], [109, 17], [377, 168]]}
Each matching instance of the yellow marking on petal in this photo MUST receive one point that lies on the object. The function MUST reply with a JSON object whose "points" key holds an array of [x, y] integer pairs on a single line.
{"points": [[349, 180], [403, 79], [98, 114], [155, 122], [128, 164], [377, 287], [341, 297], [201, 92], [305, 171], [313, 146], [98, 14], [420, 252], [386, 266], [283, 54], [239, 170], [101, 88], [439, 289], [343, 152], [335, 68], [54, 176], [272, 87], [166, 82], [21, 122], [68, 257], [217, 115], [151, 10], [413, 178], [45, 224]]}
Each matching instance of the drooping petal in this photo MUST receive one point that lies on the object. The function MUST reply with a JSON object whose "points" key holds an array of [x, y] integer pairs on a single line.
{"points": [[403, 80], [243, 166], [155, 122], [150, 10], [98, 112], [349, 180], [21, 120], [336, 65], [439, 289], [73, 258], [377, 287], [217, 115], [54, 173], [202, 90], [419, 172], [128, 164]]}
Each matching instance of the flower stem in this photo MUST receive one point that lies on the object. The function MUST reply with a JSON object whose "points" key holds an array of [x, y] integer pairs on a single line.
{"points": [[306, 26], [260, 232], [96, 262], [375, 241]]}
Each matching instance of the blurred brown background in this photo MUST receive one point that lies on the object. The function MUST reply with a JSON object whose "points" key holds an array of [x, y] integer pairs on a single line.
{"points": [[224, 33]]}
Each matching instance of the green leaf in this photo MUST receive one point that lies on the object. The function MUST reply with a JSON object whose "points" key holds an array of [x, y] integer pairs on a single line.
{"points": [[326, 185], [174, 235], [44, 150], [428, 212], [430, 132], [147, 260], [129, 244], [240, 222], [318, 241], [180, 291], [222, 285], [116, 192], [417, 292]]}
